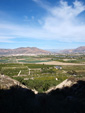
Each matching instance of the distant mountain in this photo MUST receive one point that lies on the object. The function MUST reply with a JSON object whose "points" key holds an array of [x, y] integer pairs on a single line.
{"points": [[53, 50], [23, 51], [80, 49], [37, 51]]}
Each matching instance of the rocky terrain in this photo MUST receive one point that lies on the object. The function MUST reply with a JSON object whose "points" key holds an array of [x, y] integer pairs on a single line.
{"points": [[65, 83], [67, 99], [6, 83]]}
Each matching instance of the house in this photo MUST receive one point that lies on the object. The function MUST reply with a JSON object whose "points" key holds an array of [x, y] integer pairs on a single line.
{"points": [[57, 67]]}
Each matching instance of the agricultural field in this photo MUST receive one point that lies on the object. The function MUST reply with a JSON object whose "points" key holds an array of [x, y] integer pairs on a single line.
{"points": [[24, 59], [40, 76], [77, 59]]}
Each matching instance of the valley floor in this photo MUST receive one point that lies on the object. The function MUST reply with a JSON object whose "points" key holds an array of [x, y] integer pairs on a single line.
{"points": [[59, 63]]}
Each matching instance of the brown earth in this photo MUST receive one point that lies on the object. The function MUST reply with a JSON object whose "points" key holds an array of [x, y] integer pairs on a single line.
{"points": [[59, 63]]}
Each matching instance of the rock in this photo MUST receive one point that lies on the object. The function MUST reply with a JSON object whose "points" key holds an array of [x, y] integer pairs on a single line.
{"points": [[6, 82], [65, 83]]}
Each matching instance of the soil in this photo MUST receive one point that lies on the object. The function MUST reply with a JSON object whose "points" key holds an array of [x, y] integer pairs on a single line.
{"points": [[59, 63]]}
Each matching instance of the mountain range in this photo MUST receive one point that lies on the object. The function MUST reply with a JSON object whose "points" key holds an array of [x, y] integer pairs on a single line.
{"points": [[37, 51], [23, 51], [80, 49]]}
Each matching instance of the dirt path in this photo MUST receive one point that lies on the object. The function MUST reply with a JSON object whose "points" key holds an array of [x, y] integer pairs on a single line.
{"points": [[59, 63]]}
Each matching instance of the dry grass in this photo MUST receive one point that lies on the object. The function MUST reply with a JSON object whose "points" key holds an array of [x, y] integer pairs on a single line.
{"points": [[59, 63]]}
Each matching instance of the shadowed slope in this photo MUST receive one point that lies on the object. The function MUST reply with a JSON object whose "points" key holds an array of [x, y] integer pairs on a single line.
{"points": [[66, 100]]}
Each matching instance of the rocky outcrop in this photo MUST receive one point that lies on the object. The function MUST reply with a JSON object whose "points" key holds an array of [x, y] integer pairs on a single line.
{"points": [[6, 82], [65, 83]]}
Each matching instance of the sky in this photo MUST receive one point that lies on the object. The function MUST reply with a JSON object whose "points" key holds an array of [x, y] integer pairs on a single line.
{"points": [[45, 24]]}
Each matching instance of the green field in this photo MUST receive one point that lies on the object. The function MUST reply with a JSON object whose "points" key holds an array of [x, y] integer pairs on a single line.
{"points": [[24, 59], [43, 58], [41, 76]]}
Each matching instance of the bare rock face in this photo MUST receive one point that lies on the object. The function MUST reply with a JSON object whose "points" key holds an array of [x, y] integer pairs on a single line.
{"points": [[6, 82]]}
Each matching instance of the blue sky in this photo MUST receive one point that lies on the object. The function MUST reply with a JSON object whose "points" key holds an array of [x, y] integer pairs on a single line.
{"points": [[46, 24]]}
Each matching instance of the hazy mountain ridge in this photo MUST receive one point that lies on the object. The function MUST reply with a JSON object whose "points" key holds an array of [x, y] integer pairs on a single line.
{"points": [[23, 50], [53, 50], [80, 49], [34, 50]]}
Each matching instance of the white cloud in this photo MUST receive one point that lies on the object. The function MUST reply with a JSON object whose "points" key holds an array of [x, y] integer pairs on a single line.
{"points": [[61, 23], [64, 11], [6, 39]]}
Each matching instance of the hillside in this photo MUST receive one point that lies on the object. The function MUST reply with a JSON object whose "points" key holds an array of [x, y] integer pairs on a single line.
{"points": [[6, 83], [80, 49], [37, 51], [65, 100], [23, 51]]}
